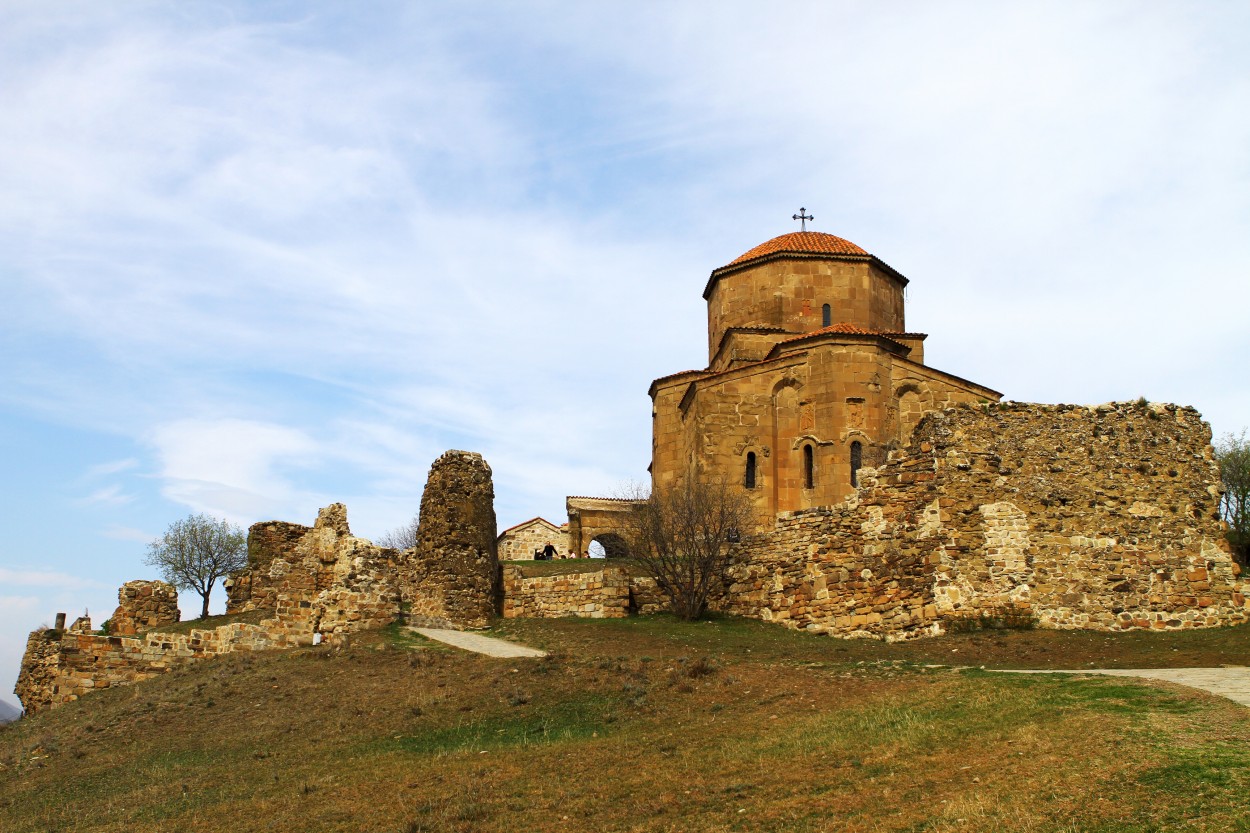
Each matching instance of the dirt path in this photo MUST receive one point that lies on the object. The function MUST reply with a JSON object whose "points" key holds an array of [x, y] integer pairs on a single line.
{"points": [[1232, 682], [488, 645]]}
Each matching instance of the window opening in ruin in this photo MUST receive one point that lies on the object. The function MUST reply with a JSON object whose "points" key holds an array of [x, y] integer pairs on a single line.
{"points": [[596, 550], [826, 316], [749, 480], [809, 467], [857, 460]]}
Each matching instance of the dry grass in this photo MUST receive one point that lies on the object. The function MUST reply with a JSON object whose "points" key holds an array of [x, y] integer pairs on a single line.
{"points": [[640, 725]]}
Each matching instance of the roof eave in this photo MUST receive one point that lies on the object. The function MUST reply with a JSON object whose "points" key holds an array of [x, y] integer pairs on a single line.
{"points": [[732, 268]]}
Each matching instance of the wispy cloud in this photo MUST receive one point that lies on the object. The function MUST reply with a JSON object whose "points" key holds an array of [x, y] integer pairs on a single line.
{"points": [[108, 496], [111, 467]]}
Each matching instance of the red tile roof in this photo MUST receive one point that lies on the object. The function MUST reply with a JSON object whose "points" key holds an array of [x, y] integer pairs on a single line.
{"points": [[526, 523], [851, 329], [802, 242]]}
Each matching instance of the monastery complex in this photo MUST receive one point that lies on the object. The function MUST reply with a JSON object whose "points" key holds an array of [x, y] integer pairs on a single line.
{"points": [[892, 500]]}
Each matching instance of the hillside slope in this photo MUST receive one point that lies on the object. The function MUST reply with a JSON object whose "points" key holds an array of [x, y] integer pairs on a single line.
{"points": [[642, 724]]}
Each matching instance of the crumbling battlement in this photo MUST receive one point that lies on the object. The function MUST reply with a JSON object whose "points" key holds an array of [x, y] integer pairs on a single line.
{"points": [[142, 605], [1065, 516]]}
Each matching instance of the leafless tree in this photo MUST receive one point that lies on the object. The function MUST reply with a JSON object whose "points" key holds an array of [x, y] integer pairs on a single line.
{"points": [[403, 537], [1233, 453], [683, 536], [197, 551]]}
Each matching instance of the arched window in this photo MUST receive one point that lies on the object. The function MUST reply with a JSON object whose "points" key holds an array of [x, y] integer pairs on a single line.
{"points": [[857, 460], [809, 467], [749, 480], [826, 316]]}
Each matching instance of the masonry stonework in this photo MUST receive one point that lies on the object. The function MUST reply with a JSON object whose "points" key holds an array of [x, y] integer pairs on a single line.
{"points": [[811, 376], [520, 542], [143, 605], [602, 594], [1063, 516], [452, 578]]}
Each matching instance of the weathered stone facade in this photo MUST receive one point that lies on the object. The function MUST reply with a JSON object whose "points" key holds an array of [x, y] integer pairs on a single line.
{"points": [[143, 605], [811, 375], [1065, 516], [520, 542]]}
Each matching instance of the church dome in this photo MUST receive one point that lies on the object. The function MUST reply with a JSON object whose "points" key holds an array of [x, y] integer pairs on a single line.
{"points": [[801, 243]]}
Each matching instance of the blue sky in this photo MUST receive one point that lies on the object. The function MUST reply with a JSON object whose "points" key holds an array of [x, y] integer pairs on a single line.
{"points": [[259, 257]]}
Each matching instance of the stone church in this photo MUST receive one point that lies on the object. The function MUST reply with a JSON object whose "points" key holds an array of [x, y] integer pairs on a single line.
{"points": [[812, 374]]}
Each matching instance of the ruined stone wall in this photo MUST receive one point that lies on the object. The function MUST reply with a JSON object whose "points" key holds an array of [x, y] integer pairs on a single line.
{"points": [[60, 667], [603, 594], [253, 588], [1065, 516], [142, 605], [318, 579], [452, 578]]}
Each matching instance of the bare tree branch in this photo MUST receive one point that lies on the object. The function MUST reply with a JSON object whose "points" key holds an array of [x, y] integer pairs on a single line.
{"points": [[683, 536], [403, 537]]}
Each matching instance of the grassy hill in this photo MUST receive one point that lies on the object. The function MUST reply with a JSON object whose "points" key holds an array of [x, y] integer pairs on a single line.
{"points": [[648, 724]]}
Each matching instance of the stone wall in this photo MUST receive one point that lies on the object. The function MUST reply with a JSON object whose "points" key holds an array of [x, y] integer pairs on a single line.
{"points": [[61, 666], [452, 578], [603, 594], [1065, 516], [142, 605], [317, 580]]}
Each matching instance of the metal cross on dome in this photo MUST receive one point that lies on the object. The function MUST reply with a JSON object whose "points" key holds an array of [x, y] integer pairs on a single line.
{"points": [[803, 216]]}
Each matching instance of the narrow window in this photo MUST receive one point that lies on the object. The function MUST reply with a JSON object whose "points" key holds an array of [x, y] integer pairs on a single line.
{"points": [[857, 460], [749, 480], [826, 316], [809, 467]]}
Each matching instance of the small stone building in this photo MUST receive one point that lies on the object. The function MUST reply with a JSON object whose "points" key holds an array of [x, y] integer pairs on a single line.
{"points": [[812, 374], [520, 542]]}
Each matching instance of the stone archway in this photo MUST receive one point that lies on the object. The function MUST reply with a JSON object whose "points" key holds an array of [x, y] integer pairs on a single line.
{"points": [[611, 544], [605, 519]]}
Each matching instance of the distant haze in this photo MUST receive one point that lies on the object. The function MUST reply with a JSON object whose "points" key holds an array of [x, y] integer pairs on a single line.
{"points": [[8, 713]]}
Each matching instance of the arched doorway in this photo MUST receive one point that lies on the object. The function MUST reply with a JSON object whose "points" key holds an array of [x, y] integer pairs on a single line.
{"points": [[609, 545]]}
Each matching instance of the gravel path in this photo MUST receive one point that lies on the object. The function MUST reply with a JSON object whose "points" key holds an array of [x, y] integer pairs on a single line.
{"points": [[1232, 682], [488, 645]]}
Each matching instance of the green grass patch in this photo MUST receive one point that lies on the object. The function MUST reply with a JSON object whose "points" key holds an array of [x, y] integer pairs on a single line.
{"points": [[568, 720]]}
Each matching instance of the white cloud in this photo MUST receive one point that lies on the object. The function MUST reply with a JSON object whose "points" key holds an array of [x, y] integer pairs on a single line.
{"points": [[232, 467]]}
